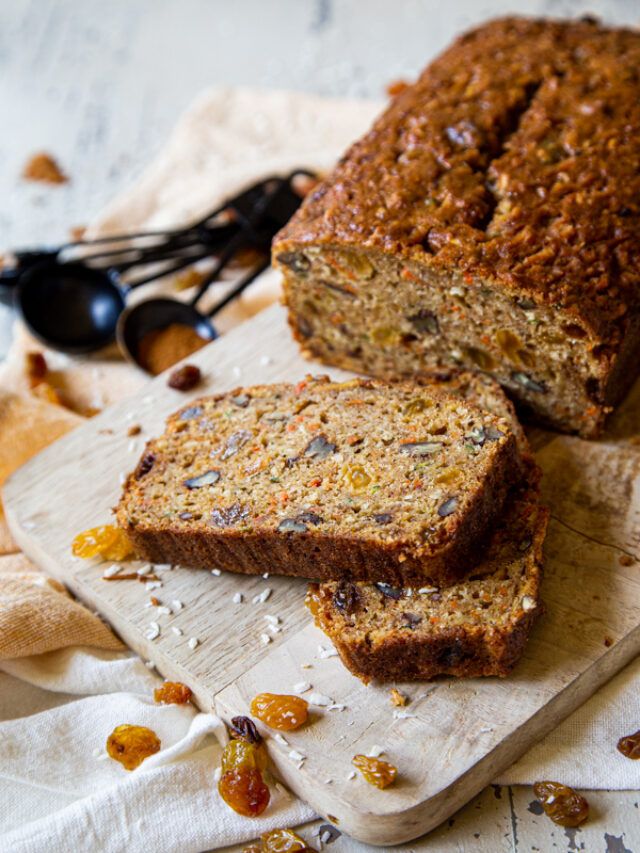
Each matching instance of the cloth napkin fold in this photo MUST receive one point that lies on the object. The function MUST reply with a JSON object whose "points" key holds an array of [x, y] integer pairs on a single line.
{"points": [[63, 684]]}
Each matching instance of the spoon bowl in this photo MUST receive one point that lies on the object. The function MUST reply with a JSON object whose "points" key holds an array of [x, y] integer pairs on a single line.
{"points": [[154, 315], [71, 307]]}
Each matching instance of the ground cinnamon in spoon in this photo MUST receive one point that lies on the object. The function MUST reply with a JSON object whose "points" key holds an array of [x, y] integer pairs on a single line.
{"points": [[162, 348]]}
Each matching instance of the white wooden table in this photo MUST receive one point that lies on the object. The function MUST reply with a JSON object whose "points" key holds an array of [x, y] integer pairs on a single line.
{"points": [[100, 84]]}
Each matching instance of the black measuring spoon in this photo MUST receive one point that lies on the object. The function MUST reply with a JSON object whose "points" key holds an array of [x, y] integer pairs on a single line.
{"points": [[73, 305], [261, 221]]}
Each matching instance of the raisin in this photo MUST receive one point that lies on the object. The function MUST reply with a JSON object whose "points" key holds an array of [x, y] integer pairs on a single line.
{"points": [[244, 791], [356, 477], [480, 358], [185, 378], [279, 711], [375, 772], [282, 841], [172, 693], [108, 541], [130, 745], [144, 465], [629, 746], [346, 597], [397, 698], [245, 728], [239, 754], [562, 804], [209, 478], [36, 368], [383, 518]]}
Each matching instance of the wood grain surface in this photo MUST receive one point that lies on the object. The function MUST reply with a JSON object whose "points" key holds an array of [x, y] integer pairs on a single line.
{"points": [[457, 735]]}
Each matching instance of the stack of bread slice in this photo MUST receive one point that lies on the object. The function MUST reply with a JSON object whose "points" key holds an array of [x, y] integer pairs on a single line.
{"points": [[413, 507]]}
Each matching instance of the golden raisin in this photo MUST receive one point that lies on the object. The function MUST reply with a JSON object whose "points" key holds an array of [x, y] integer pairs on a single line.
{"points": [[384, 335], [397, 698], [279, 711], [376, 772], [130, 745], [629, 746], [356, 477], [242, 754], [244, 790], [312, 599], [107, 541], [172, 693], [562, 804], [281, 841]]}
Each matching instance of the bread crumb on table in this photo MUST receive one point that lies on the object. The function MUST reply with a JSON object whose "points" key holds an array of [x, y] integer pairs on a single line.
{"points": [[42, 167]]}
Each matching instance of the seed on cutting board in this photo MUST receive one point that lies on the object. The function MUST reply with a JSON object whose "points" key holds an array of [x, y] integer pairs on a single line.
{"points": [[262, 596], [193, 642], [153, 631]]}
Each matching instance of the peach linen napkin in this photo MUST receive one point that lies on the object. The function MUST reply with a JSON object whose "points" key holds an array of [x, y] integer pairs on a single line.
{"points": [[65, 681]]}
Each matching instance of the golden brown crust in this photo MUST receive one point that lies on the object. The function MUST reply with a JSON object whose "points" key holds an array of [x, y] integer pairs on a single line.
{"points": [[513, 160]]}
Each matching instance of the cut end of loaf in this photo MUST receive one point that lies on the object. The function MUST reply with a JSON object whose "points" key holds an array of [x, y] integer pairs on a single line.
{"points": [[395, 318]]}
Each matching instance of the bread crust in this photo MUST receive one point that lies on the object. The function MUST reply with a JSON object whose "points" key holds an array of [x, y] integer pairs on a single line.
{"points": [[514, 160]]}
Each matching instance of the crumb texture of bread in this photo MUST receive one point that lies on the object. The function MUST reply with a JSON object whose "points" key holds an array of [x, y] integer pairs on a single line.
{"points": [[355, 480], [478, 627], [489, 219]]}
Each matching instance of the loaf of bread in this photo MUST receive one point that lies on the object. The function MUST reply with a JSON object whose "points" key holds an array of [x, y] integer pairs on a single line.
{"points": [[355, 480], [490, 219], [477, 627]]}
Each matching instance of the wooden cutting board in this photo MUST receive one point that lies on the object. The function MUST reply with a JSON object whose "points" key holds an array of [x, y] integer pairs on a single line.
{"points": [[453, 737]]}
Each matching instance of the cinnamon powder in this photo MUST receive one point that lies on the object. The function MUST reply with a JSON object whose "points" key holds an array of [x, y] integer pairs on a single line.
{"points": [[162, 348]]}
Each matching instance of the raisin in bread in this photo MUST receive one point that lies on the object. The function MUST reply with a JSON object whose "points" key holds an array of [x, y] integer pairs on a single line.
{"points": [[490, 219], [356, 480], [476, 627]]}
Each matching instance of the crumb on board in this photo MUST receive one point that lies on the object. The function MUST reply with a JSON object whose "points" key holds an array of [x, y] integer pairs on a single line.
{"points": [[44, 168], [397, 698]]}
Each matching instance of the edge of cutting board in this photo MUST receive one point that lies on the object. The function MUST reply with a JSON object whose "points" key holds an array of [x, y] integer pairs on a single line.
{"points": [[463, 732]]}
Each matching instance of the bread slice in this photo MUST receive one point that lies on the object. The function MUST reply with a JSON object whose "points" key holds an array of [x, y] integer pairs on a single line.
{"points": [[474, 628], [354, 480], [488, 219]]}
